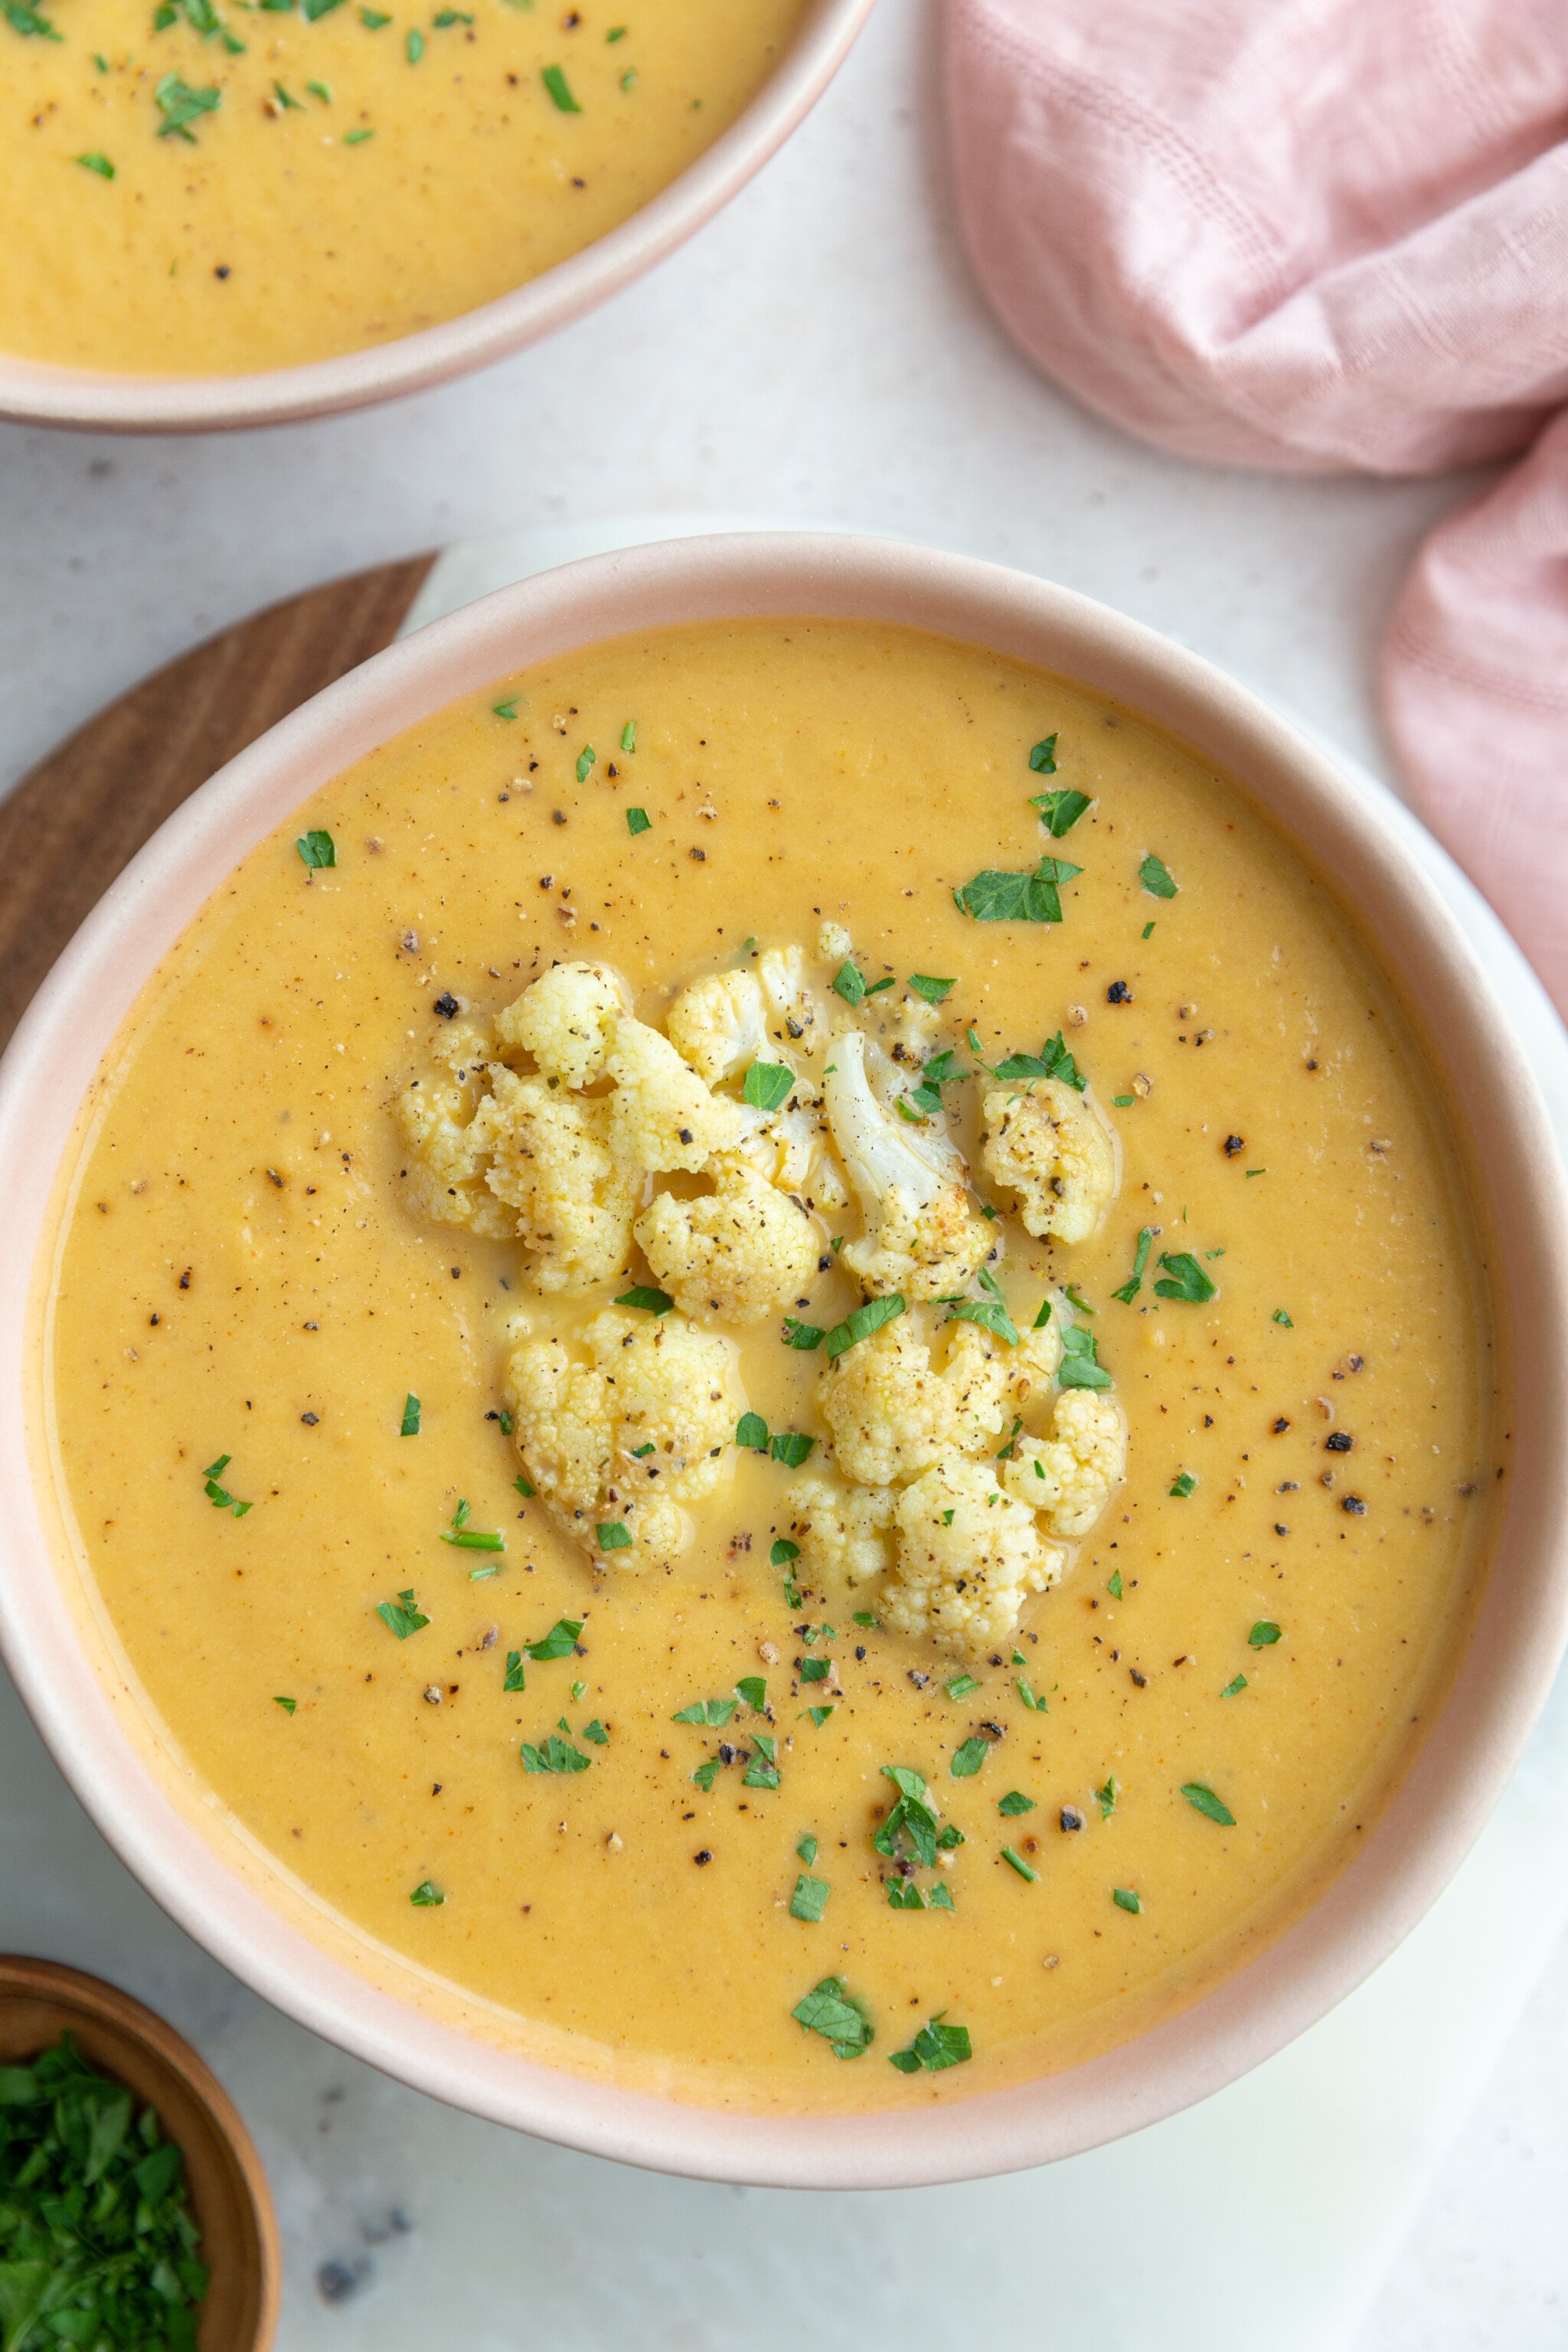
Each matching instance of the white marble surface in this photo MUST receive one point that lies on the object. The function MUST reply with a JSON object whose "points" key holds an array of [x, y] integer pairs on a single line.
{"points": [[818, 352]]}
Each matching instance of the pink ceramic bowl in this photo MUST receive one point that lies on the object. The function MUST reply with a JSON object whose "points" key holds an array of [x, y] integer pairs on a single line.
{"points": [[242, 1905], [102, 403]]}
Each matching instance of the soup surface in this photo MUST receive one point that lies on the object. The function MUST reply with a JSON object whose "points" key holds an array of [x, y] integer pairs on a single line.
{"points": [[200, 187], [848, 1726]]}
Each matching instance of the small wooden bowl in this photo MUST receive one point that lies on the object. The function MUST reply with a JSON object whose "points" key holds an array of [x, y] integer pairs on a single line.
{"points": [[40, 2001]]}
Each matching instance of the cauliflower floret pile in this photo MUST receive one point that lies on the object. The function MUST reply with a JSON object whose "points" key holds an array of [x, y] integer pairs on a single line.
{"points": [[953, 1471], [618, 1446]]}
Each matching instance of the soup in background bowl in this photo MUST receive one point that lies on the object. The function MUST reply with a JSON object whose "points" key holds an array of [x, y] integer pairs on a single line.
{"points": [[769, 1381], [235, 214]]}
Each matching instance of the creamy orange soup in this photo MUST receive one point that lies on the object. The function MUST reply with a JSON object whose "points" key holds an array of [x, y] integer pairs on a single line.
{"points": [[204, 187], [951, 1618]]}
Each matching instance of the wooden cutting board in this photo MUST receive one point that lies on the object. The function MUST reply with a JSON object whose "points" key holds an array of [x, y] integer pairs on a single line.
{"points": [[75, 819]]}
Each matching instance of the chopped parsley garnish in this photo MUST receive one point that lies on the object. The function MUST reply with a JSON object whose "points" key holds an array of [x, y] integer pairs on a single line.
{"points": [[819, 1715], [1279, 1315], [1060, 811], [1186, 1278], [844, 2024], [612, 1535], [560, 90], [629, 736], [1042, 758], [1015, 1802], [1026, 1692], [752, 1432], [651, 1301], [713, 1711], [1134, 1282], [1075, 1298], [913, 1818], [804, 1335], [1052, 1061], [317, 850], [409, 1425], [815, 1669], [903, 1894], [933, 989], [516, 1673], [322, 90], [806, 1849], [93, 161], [413, 46], [1155, 877], [935, 2046], [763, 1772], [559, 1643], [990, 1314], [1113, 1584], [1184, 1485], [753, 1692], [961, 1685], [1204, 1800], [967, 1760], [469, 1538], [809, 1900], [862, 1323], [1043, 1317], [427, 1896], [220, 1496], [792, 1447], [1237, 1683], [288, 1705], [782, 1552], [521, 1486], [1079, 1366], [768, 1086], [868, 1618], [403, 1616], [586, 758], [993, 897], [97, 2245], [847, 983], [28, 21], [357, 138], [1263, 1634], [507, 709], [1126, 1899], [179, 106], [595, 1732], [557, 1755], [1015, 1860], [1124, 1102], [707, 1773], [1145, 932], [639, 821], [1105, 1797]]}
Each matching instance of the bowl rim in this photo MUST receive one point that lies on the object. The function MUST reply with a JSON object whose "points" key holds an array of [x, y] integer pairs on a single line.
{"points": [[123, 2019], [92, 400], [1512, 1653]]}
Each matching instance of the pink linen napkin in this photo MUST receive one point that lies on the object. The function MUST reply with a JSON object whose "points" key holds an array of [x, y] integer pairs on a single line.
{"points": [[1320, 235]]}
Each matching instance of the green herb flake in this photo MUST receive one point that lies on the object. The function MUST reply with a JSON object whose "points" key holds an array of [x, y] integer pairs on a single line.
{"points": [[373, 19], [357, 138], [1204, 1800], [596, 1732], [586, 758], [1079, 1366], [1026, 1692], [288, 1705], [863, 1322], [753, 1691], [763, 1772], [612, 1535], [1186, 1278], [804, 1335], [560, 90], [1106, 1797], [427, 1896], [1013, 1804], [844, 2024], [990, 1314], [1015, 1860], [1184, 1485], [1042, 758], [650, 1301], [782, 1552], [30, 22], [559, 1643], [413, 45], [933, 991], [967, 1760], [469, 1538], [819, 1715], [934, 2047], [1263, 1634], [711, 1714], [960, 1685], [847, 982], [707, 1773], [1237, 1682], [1134, 1282], [403, 1616], [409, 1425], [93, 161], [1279, 1315], [809, 1900], [1155, 878], [1060, 811], [179, 106], [317, 850], [752, 1432], [768, 1086], [320, 89], [1008, 897], [1122, 1102], [867, 1618], [1126, 1899], [792, 1447], [806, 1849], [1113, 1585], [557, 1755], [629, 736], [507, 709], [220, 1496], [516, 1673], [521, 1486], [639, 821]]}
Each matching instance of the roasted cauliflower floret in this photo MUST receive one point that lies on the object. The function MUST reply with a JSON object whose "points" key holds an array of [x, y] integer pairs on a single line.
{"points": [[567, 1020], [968, 1556], [661, 1114], [1052, 1149], [892, 1413], [743, 1250], [449, 1159], [1069, 1476], [842, 1530], [794, 1011], [920, 1237], [629, 1438], [550, 1163], [719, 1024]]}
